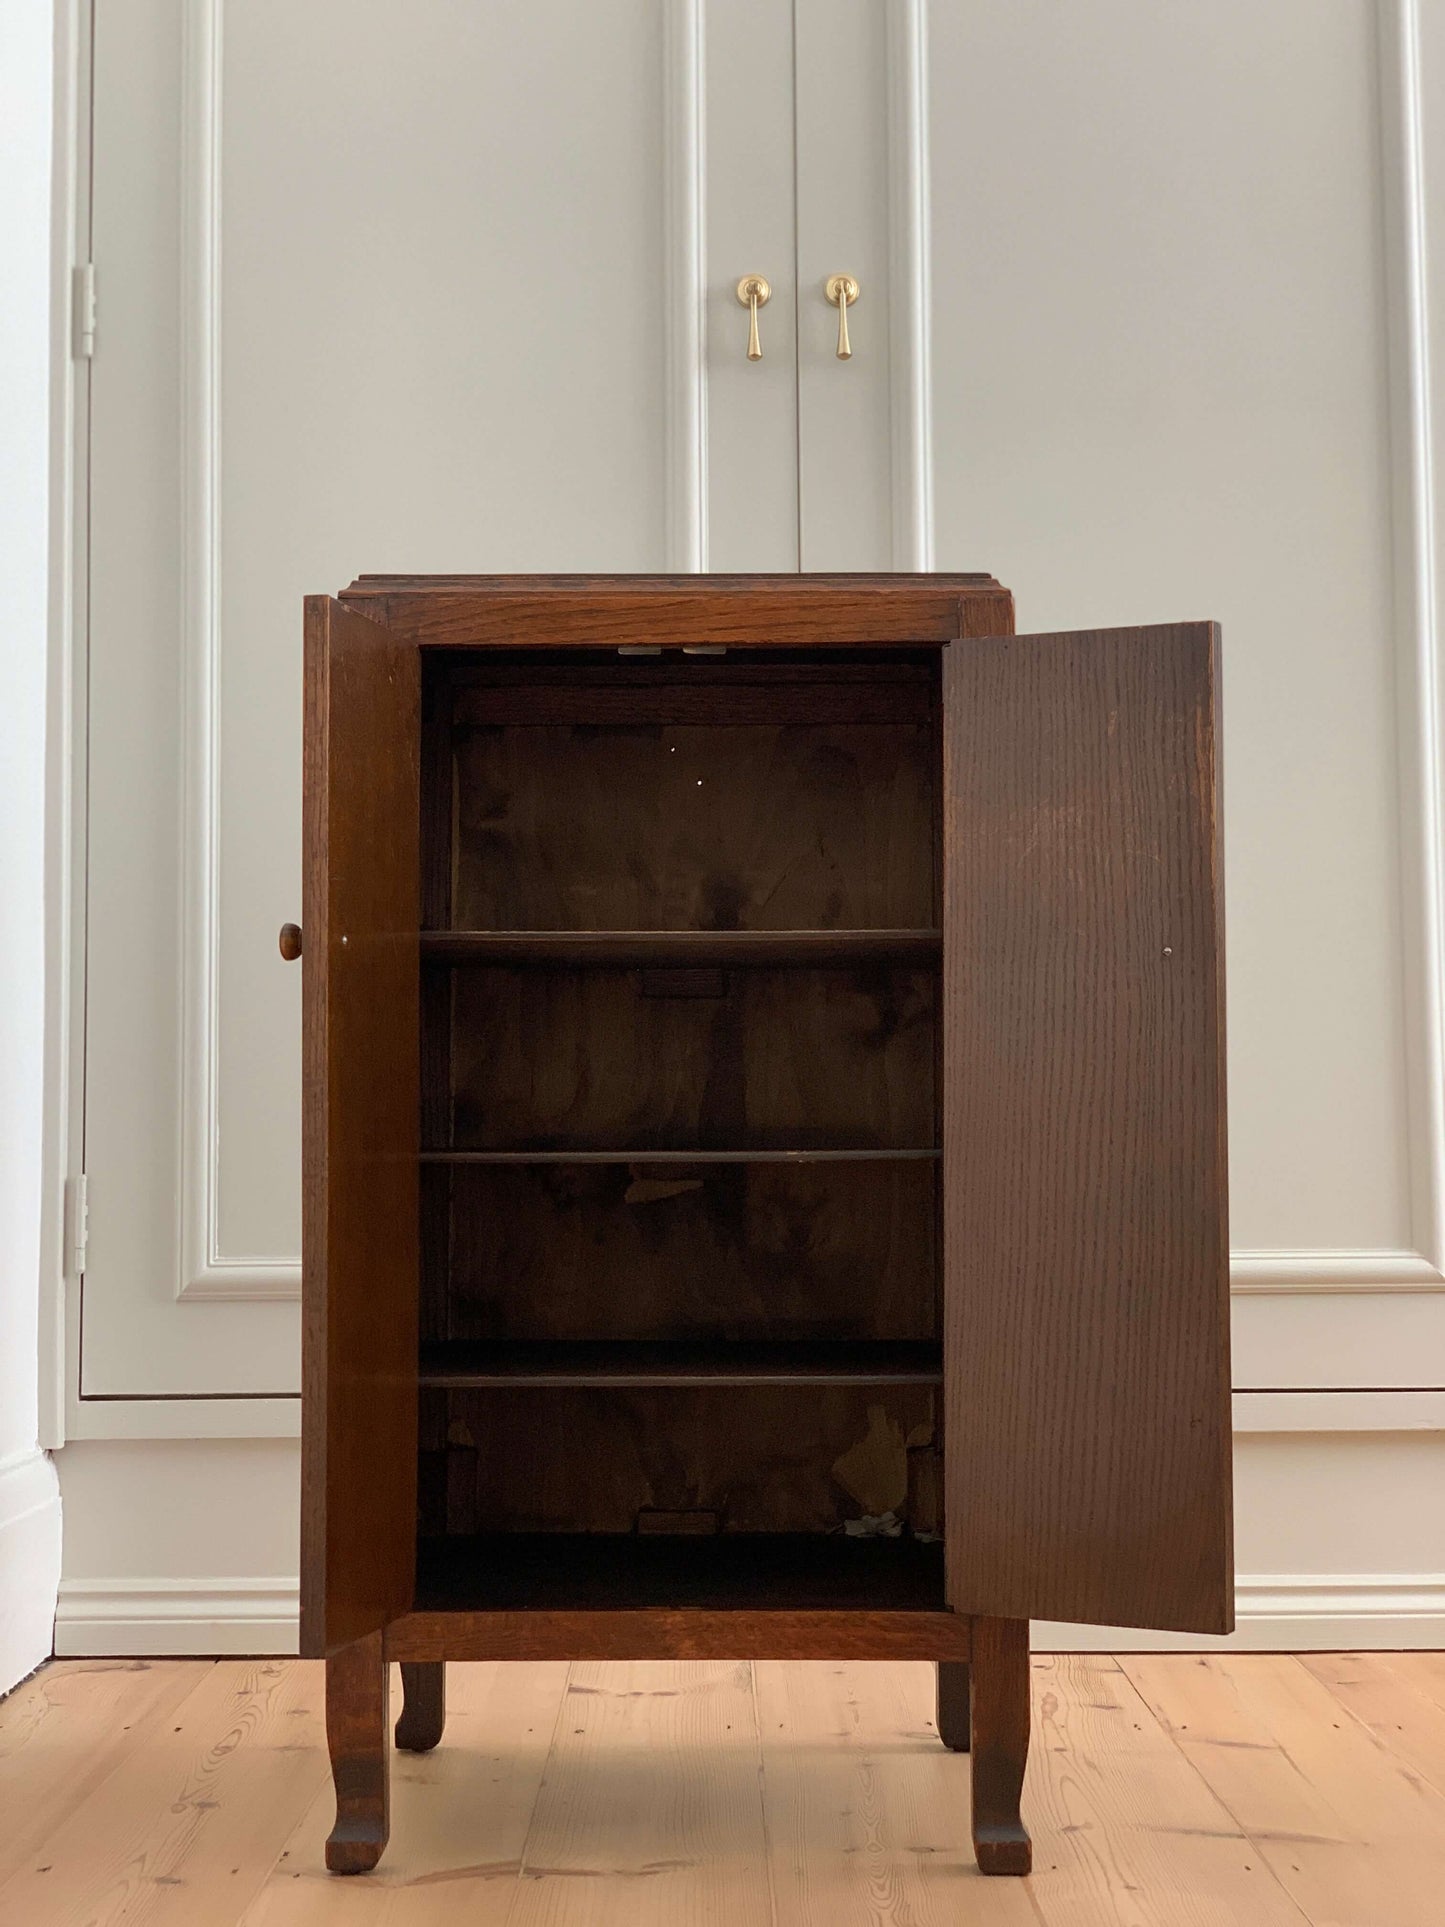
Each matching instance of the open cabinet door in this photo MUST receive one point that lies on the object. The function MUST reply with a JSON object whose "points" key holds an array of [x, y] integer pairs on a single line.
{"points": [[1086, 1357], [360, 1127]]}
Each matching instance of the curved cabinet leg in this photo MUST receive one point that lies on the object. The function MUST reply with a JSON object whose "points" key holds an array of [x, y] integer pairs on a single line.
{"points": [[423, 1706], [1000, 1723], [953, 1698], [357, 1680]]}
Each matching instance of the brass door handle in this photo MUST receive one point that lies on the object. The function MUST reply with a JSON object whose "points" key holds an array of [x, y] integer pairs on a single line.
{"points": [[842, 292], [754, 293]]}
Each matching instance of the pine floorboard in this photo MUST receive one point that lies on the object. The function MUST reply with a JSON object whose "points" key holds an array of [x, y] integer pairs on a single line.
{"points": [[1177, 1790]]}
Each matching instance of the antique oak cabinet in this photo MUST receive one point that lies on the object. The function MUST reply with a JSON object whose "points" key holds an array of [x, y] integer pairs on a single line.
{"points": [[764, 1141]]}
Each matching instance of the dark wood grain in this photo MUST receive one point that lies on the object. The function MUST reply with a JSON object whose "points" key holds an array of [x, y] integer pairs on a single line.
{"points": [[735, 618], [954, 1705], [684, 1634], [786, 1059], [469, 1365], [928, 1154], [730, 949], [357, 1686], [642, 826], [691, 1250], [748, 692], [744, 612], [765, 1459], [1086, 1331], [436, 993], [1000, 1720], [659, 583], [361, 1127], [424, 1705], [289, 942]]}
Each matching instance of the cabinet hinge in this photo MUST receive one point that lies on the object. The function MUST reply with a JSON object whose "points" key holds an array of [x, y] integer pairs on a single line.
{"points": [[82, 303], [77, 1224]]}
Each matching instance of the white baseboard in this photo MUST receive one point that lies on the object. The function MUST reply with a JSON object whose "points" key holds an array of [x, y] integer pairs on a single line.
{"points": [[150, 1618], [29, 1562], [1313, 1612]]}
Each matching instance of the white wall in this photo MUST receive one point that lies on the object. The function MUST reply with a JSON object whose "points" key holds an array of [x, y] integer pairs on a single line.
{"points": [[1202, 352], [29, 1498]]}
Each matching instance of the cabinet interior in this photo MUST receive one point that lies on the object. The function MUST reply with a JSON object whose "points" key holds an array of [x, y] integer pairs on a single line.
{"points": [[680, 1307]]}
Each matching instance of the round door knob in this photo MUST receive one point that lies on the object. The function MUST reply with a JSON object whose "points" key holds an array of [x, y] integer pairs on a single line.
{"points": [[290, 941]]}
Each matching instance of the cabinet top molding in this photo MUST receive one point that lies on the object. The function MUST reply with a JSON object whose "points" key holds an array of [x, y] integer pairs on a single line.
{"points": [[741, 611]]}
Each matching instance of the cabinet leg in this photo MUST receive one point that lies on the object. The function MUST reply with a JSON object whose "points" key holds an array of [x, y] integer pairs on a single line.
{"points": [[953, 1698], [423, 1706], [1000, 1721], [357, 1682]]}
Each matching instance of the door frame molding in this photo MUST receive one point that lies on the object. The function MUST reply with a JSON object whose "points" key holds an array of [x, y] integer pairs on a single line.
{"points": [[67, 718], [1419, 668], [205, 1271], [684, 83], [909, 241]]}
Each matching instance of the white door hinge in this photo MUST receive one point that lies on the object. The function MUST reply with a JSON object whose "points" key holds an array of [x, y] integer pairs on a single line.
{"points": [[82, 296], [77, 1224]]}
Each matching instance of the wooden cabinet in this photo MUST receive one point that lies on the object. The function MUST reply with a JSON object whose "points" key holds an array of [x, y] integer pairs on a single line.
{"points": [[765, 1183]]}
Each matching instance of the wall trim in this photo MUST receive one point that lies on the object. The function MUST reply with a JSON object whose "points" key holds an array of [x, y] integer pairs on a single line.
{"points": [[29, 1561], [1332, 1271], [1290, 1612], [1420, 683], [145, 1618], [1320, 1612], [685, 314], [909, 239], [62, 1145], [184, 1417], [1268, 1413], [205, 1271]]}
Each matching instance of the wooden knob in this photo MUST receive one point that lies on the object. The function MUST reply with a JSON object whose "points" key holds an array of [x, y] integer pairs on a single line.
{"points": [[290, 941]]}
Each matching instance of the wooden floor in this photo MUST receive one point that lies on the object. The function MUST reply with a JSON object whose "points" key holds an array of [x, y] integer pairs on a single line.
{"points": [[1163, 1792]]}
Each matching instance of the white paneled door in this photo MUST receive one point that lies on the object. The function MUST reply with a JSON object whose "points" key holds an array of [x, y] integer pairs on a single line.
{"points": [[382, 287], [1177, 368], [419, 287], [448, 286]]}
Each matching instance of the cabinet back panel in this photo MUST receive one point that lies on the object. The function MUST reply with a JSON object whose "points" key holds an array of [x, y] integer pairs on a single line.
{"points": [[732, 1251], [659, 826], [762, 1060], [756, 1460]]}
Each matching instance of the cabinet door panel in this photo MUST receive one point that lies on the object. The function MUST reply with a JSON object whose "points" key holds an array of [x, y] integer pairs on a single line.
{"points": [[1086, 1283], [360, 1126]]}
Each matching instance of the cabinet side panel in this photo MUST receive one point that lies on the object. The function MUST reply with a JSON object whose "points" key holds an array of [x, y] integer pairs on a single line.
{"points": [[361, 1126], [1085, 1255]]}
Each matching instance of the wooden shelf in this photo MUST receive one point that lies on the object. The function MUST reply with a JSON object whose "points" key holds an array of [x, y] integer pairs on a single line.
{"points": [[572, 949], [674, 1157], [466, 1365], [776, 1571]]}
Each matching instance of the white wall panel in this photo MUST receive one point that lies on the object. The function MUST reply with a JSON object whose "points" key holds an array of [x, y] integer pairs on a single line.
{"points": [[1161, 388], [751, 456], [381, 291]]}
